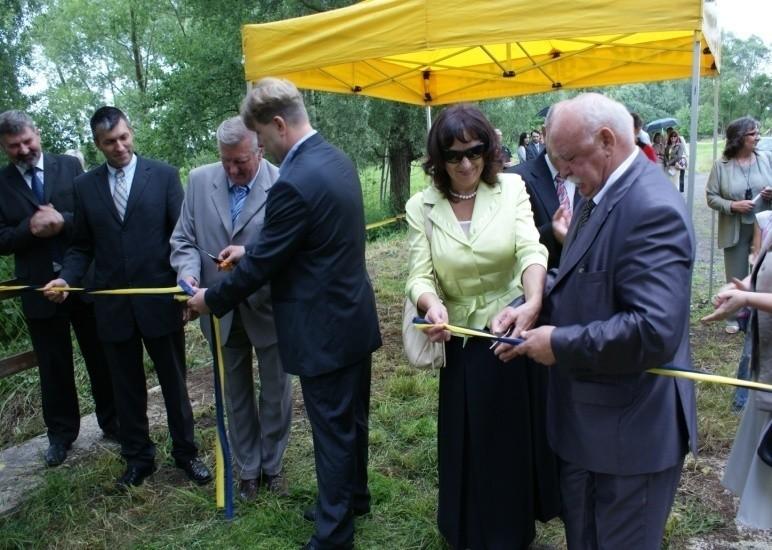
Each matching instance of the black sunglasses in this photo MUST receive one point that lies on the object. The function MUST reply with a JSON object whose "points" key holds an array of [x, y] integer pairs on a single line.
{"points": [[454, 157]]}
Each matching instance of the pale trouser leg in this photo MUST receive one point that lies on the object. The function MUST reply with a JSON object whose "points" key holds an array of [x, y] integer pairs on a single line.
{"points": [[275, 404], [240, 403]]}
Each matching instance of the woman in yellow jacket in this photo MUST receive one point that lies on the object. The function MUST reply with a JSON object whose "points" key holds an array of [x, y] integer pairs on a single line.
{"points": [[496, 472]]}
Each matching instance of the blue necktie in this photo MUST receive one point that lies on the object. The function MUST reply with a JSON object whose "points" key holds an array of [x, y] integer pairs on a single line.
{"points": [[37, 185], [240, 193]]}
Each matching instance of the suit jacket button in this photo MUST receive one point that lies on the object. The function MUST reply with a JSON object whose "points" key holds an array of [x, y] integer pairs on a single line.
{"points": [[581, 269]]}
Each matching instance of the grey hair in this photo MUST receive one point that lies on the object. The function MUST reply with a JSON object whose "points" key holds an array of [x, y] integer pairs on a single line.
{"points": [[597, 111], [14, 122], [272, 97], [233, 131]]}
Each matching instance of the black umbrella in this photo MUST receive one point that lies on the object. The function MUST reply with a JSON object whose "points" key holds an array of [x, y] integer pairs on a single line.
{"points": [[660, 124]]}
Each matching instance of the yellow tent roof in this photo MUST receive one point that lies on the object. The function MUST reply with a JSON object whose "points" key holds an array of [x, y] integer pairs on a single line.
{"points": [[433, 52]]}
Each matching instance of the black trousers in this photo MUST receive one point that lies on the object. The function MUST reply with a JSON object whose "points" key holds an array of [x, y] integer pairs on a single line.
{"points": [[129, 382], [53, 347], [338, 407]]}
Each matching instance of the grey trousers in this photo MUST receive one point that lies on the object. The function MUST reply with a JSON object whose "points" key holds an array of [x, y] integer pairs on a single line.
{"points": [[258, 431], [736, 257], [608, 512]]}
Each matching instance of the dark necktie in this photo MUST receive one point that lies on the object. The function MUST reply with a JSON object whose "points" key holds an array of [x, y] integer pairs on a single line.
{"points": [[240, 193], [37, 185], [584, 215]]}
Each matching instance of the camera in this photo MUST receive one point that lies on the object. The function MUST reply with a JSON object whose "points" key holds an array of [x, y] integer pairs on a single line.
{"points": [[748, 194]]}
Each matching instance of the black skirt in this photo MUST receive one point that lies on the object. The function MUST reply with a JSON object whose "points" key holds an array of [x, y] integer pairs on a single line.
{"points": [[497, 473]]}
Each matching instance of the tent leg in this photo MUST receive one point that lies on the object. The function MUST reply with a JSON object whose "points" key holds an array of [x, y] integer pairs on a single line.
{"points": [[695, 105], [716, 85], [428, 119]]}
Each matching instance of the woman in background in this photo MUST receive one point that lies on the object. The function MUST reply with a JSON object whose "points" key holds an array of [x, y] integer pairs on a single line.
{"points": [[740, 176], [496, 471], [674, 157], [522, 142], [659, 148], [749, 468]]}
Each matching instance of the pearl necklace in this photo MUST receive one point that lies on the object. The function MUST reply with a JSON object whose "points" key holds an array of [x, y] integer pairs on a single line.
{"points": [[463, 196]]}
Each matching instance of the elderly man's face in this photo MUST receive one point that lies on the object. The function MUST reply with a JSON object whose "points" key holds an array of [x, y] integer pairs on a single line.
{"points": [[22, 148], [240, 161], [580, 157]]}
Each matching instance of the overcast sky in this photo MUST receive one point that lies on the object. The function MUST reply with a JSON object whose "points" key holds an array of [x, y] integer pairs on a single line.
{"points": [[746, 17]]}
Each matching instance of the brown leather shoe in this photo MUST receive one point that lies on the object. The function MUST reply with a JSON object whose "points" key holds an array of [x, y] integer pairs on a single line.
{"points": [[277, 484], [248, 489]]}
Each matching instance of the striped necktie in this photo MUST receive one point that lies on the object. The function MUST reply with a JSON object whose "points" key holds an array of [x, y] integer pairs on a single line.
{"points": [[240, 193], [37, 185], [120, 194]]}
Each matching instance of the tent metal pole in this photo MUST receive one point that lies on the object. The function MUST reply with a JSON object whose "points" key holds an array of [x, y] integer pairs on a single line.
{"points": [[695, 105], [428, 119], [716, 85]]}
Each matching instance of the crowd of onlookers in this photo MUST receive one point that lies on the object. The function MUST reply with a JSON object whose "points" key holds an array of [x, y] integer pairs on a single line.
{"points": [[668, 149]]}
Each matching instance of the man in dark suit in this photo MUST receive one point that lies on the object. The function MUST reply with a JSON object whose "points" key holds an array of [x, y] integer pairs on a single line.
{"points": [[548, 192], [312, 250], [618, 305], [534, 147], [36, 214], [125, 213]]}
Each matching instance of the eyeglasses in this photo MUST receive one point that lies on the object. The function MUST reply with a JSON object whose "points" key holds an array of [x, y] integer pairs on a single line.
{"points": [[454, 157]]}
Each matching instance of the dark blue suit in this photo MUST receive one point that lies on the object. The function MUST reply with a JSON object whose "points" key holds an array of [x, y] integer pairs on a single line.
{"points": [[49, 323], [312, 251], [620, 302], [544, 201], [135, 253]]}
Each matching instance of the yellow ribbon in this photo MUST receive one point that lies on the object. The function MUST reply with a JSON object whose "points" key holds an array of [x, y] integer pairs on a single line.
{"points": [[219, 458], [387, 221], [689, 375]]}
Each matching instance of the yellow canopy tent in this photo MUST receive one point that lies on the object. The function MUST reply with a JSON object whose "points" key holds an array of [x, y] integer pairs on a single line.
{"points": [[434, 52]]}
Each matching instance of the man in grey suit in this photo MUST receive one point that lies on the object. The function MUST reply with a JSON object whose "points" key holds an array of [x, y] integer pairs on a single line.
{"points": [[618, 305], [225, 205]]}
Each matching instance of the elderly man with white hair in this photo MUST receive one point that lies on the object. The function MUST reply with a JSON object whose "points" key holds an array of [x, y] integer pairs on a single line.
{"points": [[617, 306]]}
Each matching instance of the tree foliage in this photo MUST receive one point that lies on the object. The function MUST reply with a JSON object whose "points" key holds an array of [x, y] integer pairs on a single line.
{"points": [[175, 67]]}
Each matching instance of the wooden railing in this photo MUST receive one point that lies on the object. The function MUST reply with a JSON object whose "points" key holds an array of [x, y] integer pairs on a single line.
{"points": [[21, 361]]}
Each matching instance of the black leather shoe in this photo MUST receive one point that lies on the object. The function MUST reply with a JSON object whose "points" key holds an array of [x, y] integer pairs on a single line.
{"points": [[765, 447], [134, 475], [111, 435], [248, 489], [56, 454], [277, 484], [309, 514], [196, 470]]}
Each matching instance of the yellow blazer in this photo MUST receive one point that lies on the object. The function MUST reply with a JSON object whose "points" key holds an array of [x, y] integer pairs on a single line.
{"points": [[479, 274]]}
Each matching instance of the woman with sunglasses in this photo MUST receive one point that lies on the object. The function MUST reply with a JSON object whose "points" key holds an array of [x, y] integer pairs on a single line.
{"points": [[740, 184], [496, 471]]}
